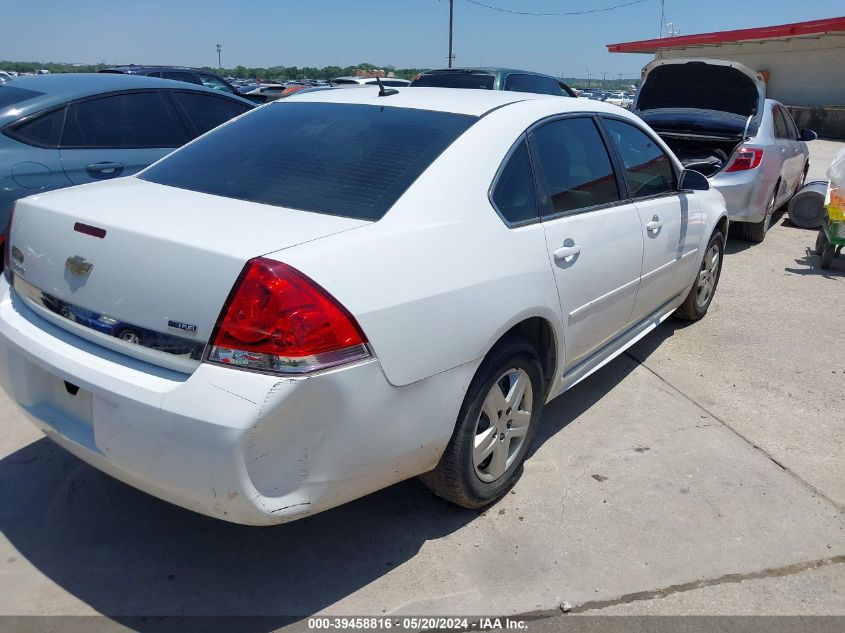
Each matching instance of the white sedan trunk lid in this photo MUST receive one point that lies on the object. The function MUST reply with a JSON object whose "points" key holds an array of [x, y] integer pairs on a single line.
{"points": [[167, 262]]}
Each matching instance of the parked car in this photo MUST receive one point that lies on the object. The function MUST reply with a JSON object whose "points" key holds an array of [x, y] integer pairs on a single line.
{"points": [[493, 79], [177, 73], [68, 129], [358, 311], [4, 77], [390, 82], [715, 115]]}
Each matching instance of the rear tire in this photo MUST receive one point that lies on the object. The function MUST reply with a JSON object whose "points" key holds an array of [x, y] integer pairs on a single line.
{"points": [[756, 232], [496, 425], [701, 294]]}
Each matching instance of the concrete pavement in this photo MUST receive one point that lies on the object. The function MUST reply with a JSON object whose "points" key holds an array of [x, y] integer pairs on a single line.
{"points": [[706, 467]]}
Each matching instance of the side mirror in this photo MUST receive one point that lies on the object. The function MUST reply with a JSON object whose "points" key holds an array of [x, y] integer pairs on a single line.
{"points": [[692, 180], [808, 135]]}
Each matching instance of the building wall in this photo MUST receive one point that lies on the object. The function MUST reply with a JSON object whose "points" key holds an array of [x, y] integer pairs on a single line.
{"points": [[802, 71]]}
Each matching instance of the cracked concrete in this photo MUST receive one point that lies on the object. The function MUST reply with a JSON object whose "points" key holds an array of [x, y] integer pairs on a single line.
{"points": [[704, 477]]}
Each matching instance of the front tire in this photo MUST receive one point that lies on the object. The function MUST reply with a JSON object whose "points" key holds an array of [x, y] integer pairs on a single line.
{"points": [[701, 294], [827, 255], [495, 428]]}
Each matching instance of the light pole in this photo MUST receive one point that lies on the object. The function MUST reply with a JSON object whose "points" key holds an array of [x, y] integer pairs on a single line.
{"points": [[451, 19], [219, 48]]}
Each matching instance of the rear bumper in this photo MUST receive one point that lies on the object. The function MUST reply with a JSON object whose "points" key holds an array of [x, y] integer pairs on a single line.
{"points": [[746, 194], [240, 446]]}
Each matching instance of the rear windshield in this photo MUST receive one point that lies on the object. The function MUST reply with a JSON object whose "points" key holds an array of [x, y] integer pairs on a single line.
{"points": [[456, 80], [339, 159], [9, 95]]}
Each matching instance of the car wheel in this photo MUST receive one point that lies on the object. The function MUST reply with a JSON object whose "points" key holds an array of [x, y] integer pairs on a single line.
{"points": [[828, 254], [496, 425], [130, 336], [757, 231], [701, 294], [821, 240]]}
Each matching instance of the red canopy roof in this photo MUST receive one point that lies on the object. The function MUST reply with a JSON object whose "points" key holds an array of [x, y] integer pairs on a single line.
{"points": [[796, 29]]}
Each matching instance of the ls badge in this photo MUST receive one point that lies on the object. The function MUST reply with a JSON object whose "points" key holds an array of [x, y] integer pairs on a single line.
{"points": [[79, 266]]}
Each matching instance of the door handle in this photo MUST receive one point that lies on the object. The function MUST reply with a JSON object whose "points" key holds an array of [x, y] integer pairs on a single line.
{"points": [[569, 249], [655, 224], [105, 170]]}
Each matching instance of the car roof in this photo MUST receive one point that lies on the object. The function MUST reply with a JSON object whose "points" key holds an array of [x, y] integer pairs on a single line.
{"points": [[60, 88], [455, 100], [148, 67]]}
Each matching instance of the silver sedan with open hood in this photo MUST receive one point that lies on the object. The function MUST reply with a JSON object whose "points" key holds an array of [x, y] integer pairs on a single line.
{"points": [[715, 115]]}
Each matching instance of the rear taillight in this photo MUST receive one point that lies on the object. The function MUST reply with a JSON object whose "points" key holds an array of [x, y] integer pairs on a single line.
{"points": [[746, 158], [7, 247], [277, 319]]}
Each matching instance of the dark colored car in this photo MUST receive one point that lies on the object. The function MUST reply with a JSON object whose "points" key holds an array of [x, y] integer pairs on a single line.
{"points": [[68, 129], [493, 79], [179, 73]]}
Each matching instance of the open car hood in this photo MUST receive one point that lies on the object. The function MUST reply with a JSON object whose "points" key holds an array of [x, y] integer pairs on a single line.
{"points": [[712, 85]]}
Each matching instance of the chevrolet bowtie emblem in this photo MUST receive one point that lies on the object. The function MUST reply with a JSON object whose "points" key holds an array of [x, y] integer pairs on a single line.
{"points": [[78, 266]]}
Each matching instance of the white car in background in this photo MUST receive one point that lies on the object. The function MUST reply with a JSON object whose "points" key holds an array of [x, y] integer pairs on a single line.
{"points": [[337, 292]]}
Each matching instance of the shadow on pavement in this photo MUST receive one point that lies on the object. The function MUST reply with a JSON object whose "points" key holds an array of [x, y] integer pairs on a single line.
{"points": [[127, 554], [811, 266]]}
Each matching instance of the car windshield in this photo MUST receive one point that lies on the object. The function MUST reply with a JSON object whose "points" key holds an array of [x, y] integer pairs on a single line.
{"points": [[10, 95], [339, 159], [480, 81]]}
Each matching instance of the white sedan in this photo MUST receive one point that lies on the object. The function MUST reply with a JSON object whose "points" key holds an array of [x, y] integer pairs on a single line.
{"points": [[339, 291]]}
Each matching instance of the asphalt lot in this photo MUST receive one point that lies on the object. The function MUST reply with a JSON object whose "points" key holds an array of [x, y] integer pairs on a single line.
{"points": [[703, 472]]}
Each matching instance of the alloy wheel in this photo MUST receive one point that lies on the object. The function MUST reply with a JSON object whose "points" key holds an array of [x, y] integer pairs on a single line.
{"points": [[502, 424], [708, 276]]}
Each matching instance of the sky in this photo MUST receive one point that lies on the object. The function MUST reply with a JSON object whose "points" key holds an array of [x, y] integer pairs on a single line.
{"points": [[402, 33]]}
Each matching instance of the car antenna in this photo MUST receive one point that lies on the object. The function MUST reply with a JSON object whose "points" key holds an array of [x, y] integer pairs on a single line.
{"points": [[385, 92]]}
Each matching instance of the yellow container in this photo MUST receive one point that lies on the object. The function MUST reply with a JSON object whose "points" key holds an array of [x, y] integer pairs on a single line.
{"points": [[836, 205]]}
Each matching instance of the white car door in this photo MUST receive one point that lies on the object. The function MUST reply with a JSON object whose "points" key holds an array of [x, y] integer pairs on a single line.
{"points": [[593, 234], [670, 219]]}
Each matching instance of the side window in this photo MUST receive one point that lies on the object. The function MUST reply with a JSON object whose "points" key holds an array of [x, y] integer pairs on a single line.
{"points": [[791, 128], [648, 169], [180, 76], [207, 111], [575, 164], [532, 83], [132, 120], [210, 81], [42, 131], [514, 194], [781, 130]]}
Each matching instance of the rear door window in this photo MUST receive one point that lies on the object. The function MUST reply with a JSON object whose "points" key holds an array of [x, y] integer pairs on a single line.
{"points": [[575, 165], [648, 170], [339, 159], [791, 128], [532, 83], [481, 81], [514, 194], [129, 120], [781, 130], [207, 111]]}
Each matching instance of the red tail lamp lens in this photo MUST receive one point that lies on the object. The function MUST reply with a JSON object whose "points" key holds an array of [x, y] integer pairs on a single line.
{"points": [[746, 158], [278, 319]]}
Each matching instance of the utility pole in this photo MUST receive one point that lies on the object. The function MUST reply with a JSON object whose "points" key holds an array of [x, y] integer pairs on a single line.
{"points": [[451, 20], [219, 64]]}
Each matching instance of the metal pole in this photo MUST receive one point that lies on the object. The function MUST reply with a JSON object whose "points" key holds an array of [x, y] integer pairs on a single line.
{"points": [[451, 19]]}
